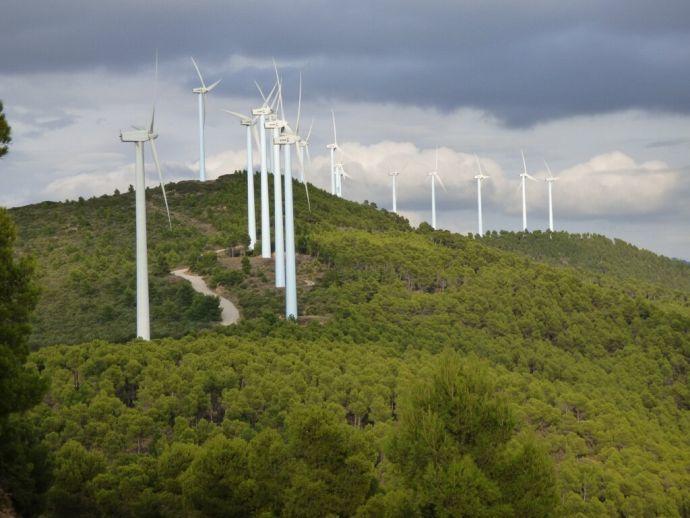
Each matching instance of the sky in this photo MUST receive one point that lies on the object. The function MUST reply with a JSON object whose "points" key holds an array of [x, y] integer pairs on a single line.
{"points": [[600, 90]]}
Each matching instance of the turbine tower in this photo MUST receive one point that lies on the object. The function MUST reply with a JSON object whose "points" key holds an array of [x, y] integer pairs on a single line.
{"points": [[394, 176], [249, 122], [549, 181], [140, 136], [481, 176], [523, 177], [201, 91], [434, 176], [262, 112]]}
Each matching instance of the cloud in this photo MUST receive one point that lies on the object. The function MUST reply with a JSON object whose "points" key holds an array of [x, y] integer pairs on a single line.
{"points": [[521, 62], [606, 185]]}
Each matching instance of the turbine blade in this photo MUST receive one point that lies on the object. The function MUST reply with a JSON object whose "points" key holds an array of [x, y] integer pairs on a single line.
{"points": [[548, 169], [309, 132], [299, 104], [154, 152], [261, 92], [441, 182], [306, 191], [237, 114], [280, 91], [306, 148], [155, 80], [273, 92], [436, 168], [198, 72], [153, 116], [335, 133], [213, 85], [524, 163], [255, 134]]}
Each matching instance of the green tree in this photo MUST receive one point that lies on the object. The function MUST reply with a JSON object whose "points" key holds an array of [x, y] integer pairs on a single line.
{"points": [[453, 448], [21, 388], [5, 133], [72, 491]]}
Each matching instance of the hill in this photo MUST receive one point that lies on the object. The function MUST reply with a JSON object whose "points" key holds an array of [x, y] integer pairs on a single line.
{"points": [[435, 376], [653, 275], [85, 254]]}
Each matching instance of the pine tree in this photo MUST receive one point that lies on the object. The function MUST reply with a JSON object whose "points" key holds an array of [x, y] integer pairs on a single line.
{"points": [[5, 132]]}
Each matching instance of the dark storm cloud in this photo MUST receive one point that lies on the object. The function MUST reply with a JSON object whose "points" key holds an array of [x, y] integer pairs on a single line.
{"points": [[523, 62]]}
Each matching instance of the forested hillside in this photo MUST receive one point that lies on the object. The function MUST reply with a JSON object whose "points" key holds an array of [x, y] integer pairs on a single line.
{"points": [[85, 254], [433, 375], [600, 255]]}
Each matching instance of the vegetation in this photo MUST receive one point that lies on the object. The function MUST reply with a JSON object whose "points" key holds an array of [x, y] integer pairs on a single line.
{"points": [[5, 133], [21, 460], [433, 374], [652, 275]]}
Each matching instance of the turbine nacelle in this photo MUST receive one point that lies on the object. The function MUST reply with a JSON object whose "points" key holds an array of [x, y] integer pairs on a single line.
{"points": [[286, 139], [137, 135], [393, 173], [275, 124], [263, 110]]}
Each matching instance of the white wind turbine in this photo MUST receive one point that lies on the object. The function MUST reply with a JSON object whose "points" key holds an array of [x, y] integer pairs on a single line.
{"points": [[394, 176], [549, 181], [139, 136], [523, 178], [481, 176], [262, 112], [337, 170], [249, 122], [435, 176], [287, 139], [201, 91], [276, 124]]}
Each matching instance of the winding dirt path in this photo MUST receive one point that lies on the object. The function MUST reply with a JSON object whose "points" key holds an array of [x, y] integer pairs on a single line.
{"points": [[230, 314]]}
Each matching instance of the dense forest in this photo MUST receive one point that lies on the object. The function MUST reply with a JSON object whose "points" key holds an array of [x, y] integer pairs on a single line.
{"points": [[432, 374]]}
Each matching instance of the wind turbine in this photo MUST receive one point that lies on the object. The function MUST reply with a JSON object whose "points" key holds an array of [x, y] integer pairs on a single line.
{"points": [[261, 112], [481, 176], [394, 176], [277, 124], [332, 147], [249, 122], [523, 177], [202, 91], [549, 181], [339, 175], [139, 136], [435, 176]]}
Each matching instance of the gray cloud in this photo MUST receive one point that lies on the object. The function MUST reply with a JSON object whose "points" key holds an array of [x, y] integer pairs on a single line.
{"points": [[522, 62]]}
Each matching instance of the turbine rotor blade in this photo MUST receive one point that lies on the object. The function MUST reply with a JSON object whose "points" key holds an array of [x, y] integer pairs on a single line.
{"points": [[548, 169], [154, 152], [309, 132], [524, 163], [261, 92], [299, 104], [441, 182], [335, 133], [198, 72], [213, 85], [237, 114], [255, 134]]}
